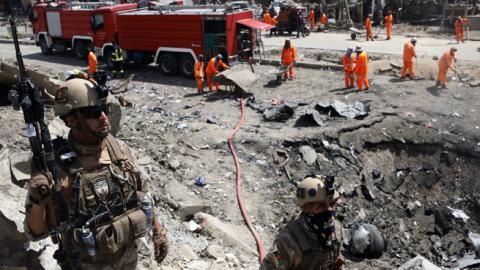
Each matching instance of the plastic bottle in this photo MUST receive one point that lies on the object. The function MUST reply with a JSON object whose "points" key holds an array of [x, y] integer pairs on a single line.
{"points": [[89, 241], [148, 210]]}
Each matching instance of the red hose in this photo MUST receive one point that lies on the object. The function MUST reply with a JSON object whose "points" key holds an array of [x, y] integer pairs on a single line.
{"points": [[260, 246]]}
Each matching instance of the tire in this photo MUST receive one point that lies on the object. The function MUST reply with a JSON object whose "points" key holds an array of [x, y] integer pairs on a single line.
{"points": [[187, 66], [353, 35], [44, 47], [168, 64], [306, 31], [80, 49], [107, 57]]}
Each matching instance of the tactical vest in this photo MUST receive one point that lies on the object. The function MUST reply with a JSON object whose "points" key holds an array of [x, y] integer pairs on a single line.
{"points": [[314, 255], [106, 201], [117, 55]]}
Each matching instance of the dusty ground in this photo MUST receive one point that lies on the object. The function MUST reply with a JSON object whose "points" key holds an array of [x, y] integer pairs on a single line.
{"points": [[424, 142]]}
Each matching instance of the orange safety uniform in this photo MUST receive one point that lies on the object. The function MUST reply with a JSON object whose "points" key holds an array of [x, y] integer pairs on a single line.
{"points": [[212, 69], [92, 63], [273, 21], [368, 26], [323, 20], [361, 70], [349, 69], [460, 29], [199, 75], [266, 18], [444, 63], [388, 25], [288, 58], [311, 17], [408, 55]]}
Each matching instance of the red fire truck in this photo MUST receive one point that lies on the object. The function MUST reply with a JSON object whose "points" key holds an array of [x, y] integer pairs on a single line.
{"points": [[78, 26], [173, 36]]}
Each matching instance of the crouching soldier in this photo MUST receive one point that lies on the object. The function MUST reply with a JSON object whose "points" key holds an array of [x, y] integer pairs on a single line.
{"points": [[99, 205], [311, 241]]}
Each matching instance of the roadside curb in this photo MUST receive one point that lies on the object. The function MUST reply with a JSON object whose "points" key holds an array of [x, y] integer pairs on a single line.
{"points": [[303, 64], [22, 42]]}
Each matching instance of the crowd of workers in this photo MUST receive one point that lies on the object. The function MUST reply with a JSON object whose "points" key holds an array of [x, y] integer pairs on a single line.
{"points": [[355, 68]]}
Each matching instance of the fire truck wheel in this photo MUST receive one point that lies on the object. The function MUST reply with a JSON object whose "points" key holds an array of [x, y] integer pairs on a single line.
{"points": [[168, 64], [80, 49], [44, 47], [186, 66]]}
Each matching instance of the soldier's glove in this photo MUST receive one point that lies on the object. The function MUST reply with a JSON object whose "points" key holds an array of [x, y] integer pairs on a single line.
{"points": [[339, 262], [160, 243], [39, 187]]}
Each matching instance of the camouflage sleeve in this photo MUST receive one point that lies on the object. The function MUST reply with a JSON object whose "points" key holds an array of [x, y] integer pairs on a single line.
{"points": [[283, 257]]}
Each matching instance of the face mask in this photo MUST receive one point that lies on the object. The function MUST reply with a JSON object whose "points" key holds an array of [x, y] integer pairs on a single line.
{"points": [[323, 225]]}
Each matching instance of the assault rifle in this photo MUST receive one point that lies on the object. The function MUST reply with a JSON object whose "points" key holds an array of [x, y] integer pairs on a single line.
{"points": [[26, 95]]}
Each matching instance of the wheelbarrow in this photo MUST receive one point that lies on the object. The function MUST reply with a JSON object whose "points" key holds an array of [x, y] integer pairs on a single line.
{"points": [[355, 32], [278, 72]]}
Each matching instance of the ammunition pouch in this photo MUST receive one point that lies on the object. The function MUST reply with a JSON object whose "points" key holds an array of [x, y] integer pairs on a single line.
{"points": [[114, 237]]}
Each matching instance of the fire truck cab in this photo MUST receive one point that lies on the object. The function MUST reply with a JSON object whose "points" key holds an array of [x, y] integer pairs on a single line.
{"points": [[76, 25]]}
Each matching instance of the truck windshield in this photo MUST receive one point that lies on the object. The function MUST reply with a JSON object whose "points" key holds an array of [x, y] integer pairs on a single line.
{"points": [[97, 21]]}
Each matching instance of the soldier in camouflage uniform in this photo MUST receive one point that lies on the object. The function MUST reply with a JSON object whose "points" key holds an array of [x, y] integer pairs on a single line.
{"points": [[106, 206], [311, 241]]}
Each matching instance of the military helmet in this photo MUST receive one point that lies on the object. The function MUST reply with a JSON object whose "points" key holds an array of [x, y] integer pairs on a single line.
{"points": [[77, 93], [316, 188]]}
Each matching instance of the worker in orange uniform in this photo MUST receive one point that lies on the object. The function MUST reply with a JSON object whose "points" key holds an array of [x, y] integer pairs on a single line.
{"points": [[460, 28], [199, 74], [361, 68], [92, 62], [368, 26], [349, 68], [389, 24], [266, 17], [311, 18], [445, 63], [213, 68], [408, 55], [323, 22], [289, 56]]}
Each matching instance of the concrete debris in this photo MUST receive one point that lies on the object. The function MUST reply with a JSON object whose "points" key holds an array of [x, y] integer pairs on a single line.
{"points": [[456, 213], [233, 236], [215, 251], [311, 118], [396, 66], [475, 239], [279, 113], [174, 164], [308, 154], [469, 261], [419, 263], [188, 202], [475, 83], [338, 108], [211, 119], [187, 253]]}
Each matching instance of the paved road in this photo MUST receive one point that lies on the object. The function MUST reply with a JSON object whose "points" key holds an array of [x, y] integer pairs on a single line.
{"points": [[340, 41]]}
